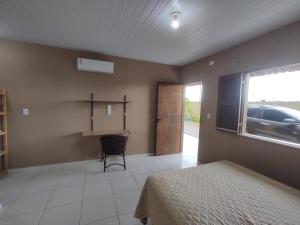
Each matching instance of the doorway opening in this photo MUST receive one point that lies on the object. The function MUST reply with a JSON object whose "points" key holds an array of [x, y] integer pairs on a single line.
{"points": [[191, 121]]}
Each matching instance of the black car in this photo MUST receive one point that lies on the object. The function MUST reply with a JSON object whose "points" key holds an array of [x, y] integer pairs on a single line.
{"points": [[274, 121]]}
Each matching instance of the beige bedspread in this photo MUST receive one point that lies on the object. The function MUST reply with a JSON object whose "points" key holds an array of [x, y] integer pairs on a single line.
{"points": [[217, 193]]}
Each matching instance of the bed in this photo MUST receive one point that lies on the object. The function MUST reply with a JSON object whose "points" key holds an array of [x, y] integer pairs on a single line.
{"points": [[217, 193]]}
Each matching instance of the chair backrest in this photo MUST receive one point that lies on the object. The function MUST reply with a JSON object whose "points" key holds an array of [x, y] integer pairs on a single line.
{"points": [[113, 144]]}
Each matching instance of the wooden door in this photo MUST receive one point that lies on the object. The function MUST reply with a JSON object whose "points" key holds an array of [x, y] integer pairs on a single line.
{"points": [[169, 119]]}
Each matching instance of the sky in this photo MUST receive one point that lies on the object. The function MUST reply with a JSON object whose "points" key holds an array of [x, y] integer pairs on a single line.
{"points": [[193, 93], [275, 87]]}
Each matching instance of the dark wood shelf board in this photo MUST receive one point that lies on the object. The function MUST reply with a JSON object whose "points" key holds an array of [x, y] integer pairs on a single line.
{"points": [[106, 132], [105, 102]]}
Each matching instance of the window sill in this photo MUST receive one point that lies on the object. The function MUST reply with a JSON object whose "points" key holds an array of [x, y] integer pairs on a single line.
{"points": [[271, 140]]}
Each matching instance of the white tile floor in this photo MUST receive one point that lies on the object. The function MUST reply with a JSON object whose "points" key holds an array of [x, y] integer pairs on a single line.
{"points": [[79, 193]]}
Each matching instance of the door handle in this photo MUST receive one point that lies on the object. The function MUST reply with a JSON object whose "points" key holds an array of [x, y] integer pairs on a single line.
{"points": [[158, 119]]}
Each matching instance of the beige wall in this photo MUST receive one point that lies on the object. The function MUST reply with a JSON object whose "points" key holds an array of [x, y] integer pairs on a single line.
{"points": [[45, 80], [277, 48]]}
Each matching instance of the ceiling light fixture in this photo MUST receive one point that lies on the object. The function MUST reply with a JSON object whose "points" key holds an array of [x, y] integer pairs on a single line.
{"points": [[175, 19]]}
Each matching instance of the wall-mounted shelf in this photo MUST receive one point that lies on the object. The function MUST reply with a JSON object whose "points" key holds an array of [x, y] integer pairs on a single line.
{"points": [[92, 101], [106, 101], [3, 134], [106, 132]]}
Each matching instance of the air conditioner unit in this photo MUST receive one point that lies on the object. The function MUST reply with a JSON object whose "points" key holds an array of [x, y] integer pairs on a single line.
{"points": [[96, 66]]}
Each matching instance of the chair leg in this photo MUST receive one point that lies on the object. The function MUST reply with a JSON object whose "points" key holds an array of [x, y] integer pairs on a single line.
{"points": [[104, 162], [124, 163]]}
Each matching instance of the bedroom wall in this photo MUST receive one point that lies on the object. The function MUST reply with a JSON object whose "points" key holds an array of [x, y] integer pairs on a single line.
{"points": [[278, 48], [46, 80]]}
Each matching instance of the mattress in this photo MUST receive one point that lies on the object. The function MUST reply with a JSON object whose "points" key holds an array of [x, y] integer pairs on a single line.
{"points": [[217, 193]]}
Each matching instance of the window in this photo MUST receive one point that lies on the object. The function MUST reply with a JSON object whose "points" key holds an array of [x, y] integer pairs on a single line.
{"points": [[272, 102], [262, 104]]}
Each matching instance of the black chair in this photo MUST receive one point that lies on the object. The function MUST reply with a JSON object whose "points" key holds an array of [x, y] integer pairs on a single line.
{"points": [[113, 145]]}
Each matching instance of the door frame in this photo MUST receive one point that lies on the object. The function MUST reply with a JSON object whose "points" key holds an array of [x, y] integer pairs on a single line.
{"points": [[183, 108]]}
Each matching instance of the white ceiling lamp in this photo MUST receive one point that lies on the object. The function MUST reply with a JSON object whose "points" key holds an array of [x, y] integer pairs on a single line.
{"points": [[175, 19]]}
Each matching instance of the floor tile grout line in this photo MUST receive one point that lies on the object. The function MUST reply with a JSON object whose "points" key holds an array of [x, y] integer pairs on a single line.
{"points": [[114, 197], [61, 173], [64, 204], [101, 220], [98, 196], [137, 183], [83, 191]]}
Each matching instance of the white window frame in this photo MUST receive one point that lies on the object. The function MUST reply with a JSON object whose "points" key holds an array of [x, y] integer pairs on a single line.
{"points": [[243, 118]]}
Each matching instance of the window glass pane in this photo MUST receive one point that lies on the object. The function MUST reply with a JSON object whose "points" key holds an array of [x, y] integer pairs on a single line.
{"points": [[273, 105], [273, 115], [253, 112]]}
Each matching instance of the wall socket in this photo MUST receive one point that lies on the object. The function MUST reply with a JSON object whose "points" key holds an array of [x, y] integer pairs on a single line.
{"points": [[25, 111], [208, 116], [108, 110]]}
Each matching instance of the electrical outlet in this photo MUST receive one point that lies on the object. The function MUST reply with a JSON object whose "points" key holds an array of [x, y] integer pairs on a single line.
{"points": [[208, 116], [108, 110], [25, 111]]}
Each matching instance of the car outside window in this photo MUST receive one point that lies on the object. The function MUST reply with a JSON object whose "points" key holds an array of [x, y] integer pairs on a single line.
{"points": [[253, 112], [274, 115]]}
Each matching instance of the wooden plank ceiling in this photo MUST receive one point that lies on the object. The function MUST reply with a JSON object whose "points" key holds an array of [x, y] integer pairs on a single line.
{"points": [[140, 29]]}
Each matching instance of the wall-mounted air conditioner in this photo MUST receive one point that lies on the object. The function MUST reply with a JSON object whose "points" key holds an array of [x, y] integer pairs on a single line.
{"points": [[96, 66]]}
